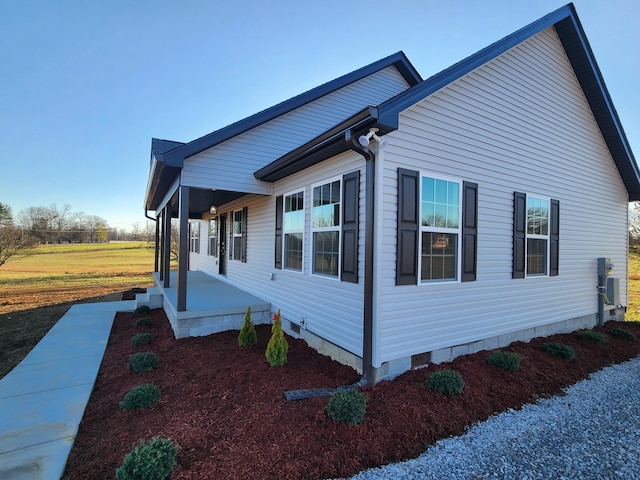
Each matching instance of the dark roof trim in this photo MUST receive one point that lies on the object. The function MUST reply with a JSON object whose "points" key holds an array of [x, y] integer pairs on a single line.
{"points": [[398, 60], [327, 145]]}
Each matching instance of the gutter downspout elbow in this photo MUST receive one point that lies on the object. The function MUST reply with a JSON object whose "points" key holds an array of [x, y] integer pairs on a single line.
{"points": [[368, 371]]}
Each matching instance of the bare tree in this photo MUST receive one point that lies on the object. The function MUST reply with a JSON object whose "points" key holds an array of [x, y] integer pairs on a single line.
{"points": [[634, 223], [13, 241], [6, 217]]}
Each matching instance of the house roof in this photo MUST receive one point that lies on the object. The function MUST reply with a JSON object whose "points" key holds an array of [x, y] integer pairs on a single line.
{"points": [[385, 116], [161, 176]]}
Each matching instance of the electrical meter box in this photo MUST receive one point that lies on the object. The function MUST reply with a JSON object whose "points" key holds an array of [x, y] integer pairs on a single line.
{"points": [[613, 291], [604, 266]]}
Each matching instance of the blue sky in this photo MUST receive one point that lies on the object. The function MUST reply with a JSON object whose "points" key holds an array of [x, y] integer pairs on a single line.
{"points": [[86, 84]]}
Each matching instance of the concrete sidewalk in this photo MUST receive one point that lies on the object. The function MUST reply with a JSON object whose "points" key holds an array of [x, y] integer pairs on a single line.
{"points": [[43, 399]]}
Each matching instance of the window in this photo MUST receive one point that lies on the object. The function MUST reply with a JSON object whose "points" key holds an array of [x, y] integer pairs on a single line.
{"points": [[325, 229], [293, 230], [536, 236], [213, 237], [439, 229], [236, 235], [194, 237]]}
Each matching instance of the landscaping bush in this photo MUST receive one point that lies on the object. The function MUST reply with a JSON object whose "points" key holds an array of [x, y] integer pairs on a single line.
{"points": [[621, 333], [143, 362], [142, 396], [142, 310], [247, 336], [152, 460], [277, 347], [144, 321], [141, 339], [593, 337], [559, 350], [507, 361], [347, 406], [445, 381]]}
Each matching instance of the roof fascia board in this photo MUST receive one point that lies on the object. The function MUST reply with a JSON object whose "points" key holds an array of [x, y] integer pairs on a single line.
{"points": [[399, 60], [290, 162]]}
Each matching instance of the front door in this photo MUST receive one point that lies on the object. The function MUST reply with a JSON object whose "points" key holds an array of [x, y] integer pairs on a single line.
{"points": [[222, 264]]}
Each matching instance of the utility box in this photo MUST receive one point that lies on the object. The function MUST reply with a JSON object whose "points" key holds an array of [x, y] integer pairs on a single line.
{"points": [[613, 291]]}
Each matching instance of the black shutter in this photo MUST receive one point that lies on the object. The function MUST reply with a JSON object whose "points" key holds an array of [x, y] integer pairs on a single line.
{"points": [[469, 231], [243, 252], [278, 251], [350, 201], [554, 237], [519, 233], [407, 253]]}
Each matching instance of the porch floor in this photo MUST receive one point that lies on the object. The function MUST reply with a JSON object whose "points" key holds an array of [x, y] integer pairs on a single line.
{"points": [[212, 305]]}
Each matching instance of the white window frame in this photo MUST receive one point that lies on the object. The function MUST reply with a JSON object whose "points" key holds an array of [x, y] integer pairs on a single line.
{"points": [[446, 230], [213, 235], [286, 231], [546, 237], [194, 237], [336, 228], [234, 235]]}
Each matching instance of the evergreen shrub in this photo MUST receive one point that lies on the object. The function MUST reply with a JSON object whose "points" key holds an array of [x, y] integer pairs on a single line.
{"points": [[559, 350], [143, 362], [142, 310], [445, 381], [152, 460], [593, 337], [621, 333], [141, 339], [277, 347], [507, 361], [347, 406], [247, 336], [142, 396], [142, 322]]}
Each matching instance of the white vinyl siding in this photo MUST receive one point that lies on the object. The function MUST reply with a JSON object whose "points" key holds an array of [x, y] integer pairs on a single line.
{"points": [[230, 165], [518, 123]]}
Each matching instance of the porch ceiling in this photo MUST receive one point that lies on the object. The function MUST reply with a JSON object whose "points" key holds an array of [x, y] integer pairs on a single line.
{"points": [[200, 200]]}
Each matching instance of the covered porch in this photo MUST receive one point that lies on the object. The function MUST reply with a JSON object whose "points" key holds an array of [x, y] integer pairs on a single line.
{"points": [[212, 305]]}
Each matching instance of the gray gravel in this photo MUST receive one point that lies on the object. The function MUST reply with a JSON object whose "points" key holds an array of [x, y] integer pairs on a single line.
{"points": [[592, 432]]}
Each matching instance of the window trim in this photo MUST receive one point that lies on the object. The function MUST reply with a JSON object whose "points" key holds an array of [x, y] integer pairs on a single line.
{"points": [[242, 235], [285, 231], [546, 238], [457, 231], [337, 228]]}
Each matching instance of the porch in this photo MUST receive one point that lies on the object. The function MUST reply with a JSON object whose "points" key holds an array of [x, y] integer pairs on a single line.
{"points": [[212, 305]]}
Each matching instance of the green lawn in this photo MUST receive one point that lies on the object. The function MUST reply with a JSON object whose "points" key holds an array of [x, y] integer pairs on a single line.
{"points": [[633, 307]]}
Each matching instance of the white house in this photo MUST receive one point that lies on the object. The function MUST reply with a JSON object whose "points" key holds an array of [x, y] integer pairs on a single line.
{"points": [[472, 217]]}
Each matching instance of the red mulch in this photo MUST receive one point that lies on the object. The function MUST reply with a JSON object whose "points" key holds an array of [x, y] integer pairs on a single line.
{"points": [[224, 406]]}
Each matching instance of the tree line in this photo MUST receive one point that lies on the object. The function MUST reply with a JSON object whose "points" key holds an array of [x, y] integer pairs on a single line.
{"points": [[52, 224]]}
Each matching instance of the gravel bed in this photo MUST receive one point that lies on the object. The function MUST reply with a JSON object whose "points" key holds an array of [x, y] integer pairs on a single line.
{"points": [[592, 432]]}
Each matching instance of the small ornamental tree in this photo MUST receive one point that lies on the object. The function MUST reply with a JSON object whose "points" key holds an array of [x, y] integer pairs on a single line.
{"points": [[277, 347], [248, 336]]}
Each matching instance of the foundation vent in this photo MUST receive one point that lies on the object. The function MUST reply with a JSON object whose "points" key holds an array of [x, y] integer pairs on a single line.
{"points": [[420, 360]]}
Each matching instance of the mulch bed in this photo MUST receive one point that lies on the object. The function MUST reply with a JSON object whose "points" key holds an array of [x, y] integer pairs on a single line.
{"points": [[224, 405]]}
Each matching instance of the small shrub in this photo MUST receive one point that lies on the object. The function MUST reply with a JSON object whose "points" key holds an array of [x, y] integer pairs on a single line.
{"points": [[141, 339], [507, 361], [445, 381], [152, 460], [559, 350], [593, 337], [621, 333], [277, 347], [142, 310], [247, 336], [142, 396], [143, 362], [142, 322], [347, 406]]}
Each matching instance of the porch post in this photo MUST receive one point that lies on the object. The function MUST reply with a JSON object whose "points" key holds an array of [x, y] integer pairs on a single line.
{"points": [[166, 246], [183, 248], [156, 246]]}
